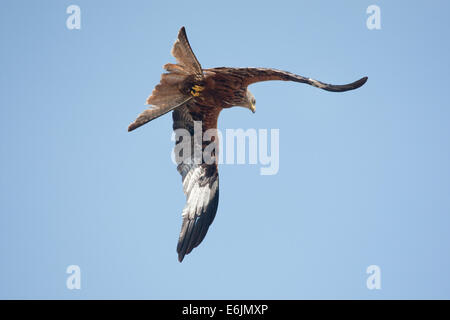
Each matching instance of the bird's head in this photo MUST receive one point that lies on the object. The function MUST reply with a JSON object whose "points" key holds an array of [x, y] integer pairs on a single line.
{"points": [[250, 101]]}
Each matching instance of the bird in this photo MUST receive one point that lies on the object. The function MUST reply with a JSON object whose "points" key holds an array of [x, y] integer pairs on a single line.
{"points": [[194, 94]]}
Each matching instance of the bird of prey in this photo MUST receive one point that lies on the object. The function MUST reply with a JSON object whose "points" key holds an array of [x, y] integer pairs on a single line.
{"points": [[197, 94]]}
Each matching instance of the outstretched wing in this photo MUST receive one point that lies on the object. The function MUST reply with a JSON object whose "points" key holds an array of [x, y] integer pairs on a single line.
{"points": [[199, 175], [170, 93], [252, 75]]}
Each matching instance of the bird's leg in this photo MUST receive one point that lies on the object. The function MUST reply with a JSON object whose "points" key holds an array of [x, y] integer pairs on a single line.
{"points": [[195, 90]]}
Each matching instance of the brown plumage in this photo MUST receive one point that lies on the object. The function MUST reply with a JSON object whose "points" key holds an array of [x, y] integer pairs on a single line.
{"points": [[197, 94]]}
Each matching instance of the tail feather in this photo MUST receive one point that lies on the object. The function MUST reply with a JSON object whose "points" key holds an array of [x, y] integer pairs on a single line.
{"points": [[153, 113], [176, 68], [169, 93], [166, 96], [182, 51]]}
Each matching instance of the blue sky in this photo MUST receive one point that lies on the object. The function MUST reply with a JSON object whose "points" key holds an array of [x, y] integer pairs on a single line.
{"points": [[364, 176]]}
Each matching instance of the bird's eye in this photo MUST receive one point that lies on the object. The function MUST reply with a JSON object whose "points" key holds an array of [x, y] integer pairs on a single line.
{"points": [[254, 101]]}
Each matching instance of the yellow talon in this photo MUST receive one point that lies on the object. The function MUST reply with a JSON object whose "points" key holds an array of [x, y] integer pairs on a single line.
{"points": [[195, 90], [198, 88]]}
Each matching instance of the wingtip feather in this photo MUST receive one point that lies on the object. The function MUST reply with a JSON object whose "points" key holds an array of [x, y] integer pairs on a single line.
{"points": [[363, 80]]}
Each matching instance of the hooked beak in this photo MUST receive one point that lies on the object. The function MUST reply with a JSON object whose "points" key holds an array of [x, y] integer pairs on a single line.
{"points": [[252, 107]]}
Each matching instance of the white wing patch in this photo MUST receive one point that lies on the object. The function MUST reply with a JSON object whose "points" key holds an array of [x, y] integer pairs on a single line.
{"points": [[197, 197]]}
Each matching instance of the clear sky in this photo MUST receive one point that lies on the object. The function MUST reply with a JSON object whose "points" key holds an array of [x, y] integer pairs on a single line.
{"points": [[364, 176]]}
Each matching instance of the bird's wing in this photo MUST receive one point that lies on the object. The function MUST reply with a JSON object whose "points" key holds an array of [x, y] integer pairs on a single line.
{"points": [[182, 51], [200, 176], [252, 75]]}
